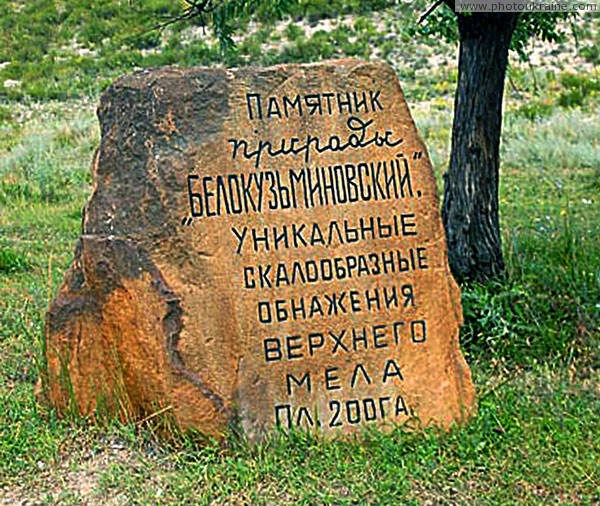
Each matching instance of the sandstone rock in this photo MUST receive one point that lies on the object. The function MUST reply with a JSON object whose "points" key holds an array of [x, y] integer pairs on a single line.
{"points": [[261, 246]]}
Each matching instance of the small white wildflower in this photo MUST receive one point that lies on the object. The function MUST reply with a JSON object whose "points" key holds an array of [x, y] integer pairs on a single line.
{"points": [[12, 83]]}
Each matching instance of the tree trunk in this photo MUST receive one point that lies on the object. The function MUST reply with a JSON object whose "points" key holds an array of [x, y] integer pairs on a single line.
{"points": [[470, 210]]}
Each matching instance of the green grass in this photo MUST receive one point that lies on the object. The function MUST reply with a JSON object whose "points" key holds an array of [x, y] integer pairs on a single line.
{"points": [[533, 442], [532, 340]]}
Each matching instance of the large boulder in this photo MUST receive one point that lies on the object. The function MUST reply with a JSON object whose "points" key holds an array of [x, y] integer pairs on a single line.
{"points": [[261, 247]]}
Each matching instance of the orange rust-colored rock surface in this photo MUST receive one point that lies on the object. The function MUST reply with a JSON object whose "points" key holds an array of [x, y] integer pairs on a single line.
{"points": [[262, 246]]}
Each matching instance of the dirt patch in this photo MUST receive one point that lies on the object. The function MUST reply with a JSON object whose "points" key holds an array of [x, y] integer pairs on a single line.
{"points": [[74, 481]]}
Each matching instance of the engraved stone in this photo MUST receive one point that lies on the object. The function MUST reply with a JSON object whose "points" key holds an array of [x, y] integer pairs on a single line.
{"points": [[262, 247]]}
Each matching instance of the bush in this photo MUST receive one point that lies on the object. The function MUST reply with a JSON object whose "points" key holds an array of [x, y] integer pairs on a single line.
{"points": [[10, 261], [578, 88]]}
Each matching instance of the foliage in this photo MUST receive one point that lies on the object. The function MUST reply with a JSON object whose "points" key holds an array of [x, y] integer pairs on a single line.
{"points": [[224, 17], [544, 26], [577, 88]]}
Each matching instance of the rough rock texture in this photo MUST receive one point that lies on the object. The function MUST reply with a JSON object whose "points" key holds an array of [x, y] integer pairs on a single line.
{"points": [[220, 279]]}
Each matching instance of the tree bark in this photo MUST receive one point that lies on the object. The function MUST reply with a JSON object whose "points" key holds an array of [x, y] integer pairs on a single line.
{"points": [[470, 210]]}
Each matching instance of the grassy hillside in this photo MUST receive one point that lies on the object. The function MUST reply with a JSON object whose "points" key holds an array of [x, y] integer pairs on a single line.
{"points": [[532, 341]]}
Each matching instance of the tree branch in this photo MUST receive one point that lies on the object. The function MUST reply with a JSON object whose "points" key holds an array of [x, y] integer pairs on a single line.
{"points": [[429, 11], [194, 9], [187, 14]]}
